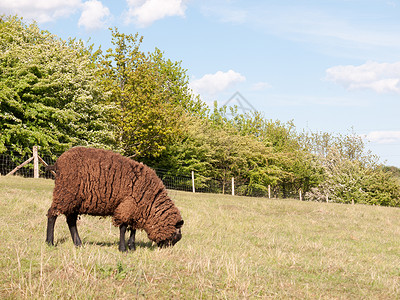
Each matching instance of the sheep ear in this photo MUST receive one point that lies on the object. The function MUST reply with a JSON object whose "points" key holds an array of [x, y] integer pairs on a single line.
{"points": [[179, 224]]}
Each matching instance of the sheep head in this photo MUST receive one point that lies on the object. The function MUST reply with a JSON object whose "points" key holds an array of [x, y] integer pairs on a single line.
{"points": [[174, 238], [166, 234]]}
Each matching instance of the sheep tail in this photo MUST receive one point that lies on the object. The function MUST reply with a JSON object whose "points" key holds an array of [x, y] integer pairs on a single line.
{"points": [[51, 168]]}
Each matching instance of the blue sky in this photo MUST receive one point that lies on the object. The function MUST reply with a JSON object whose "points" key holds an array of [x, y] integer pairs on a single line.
{"points": [[331, 66]]}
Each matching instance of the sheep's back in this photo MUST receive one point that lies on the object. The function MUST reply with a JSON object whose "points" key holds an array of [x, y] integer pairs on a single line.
{"points": [[92, 181]]}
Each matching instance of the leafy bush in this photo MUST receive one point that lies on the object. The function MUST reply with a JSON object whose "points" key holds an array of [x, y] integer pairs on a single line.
{"points": [[355, 181], [48, 92]]}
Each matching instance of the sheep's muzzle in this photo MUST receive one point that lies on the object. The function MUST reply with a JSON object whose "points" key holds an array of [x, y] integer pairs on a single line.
{"points": [[172, 240]]}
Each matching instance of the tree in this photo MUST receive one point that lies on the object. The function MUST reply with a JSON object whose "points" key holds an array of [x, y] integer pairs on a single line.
{"points": [[48, 92], [355, 181], [151, 94], [217, 153], [288, 166]]}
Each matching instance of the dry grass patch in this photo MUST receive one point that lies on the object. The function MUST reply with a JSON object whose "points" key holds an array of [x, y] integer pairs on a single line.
{"points": [[232, 248]]}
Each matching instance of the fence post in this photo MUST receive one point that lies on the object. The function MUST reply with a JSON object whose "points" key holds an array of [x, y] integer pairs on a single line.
{"points": [[233, 186], [269, 191], [35, 162], [194, 190], [300, 195]]}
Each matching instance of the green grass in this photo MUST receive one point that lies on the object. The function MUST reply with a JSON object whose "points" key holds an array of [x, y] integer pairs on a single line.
{"points": [[232, 248]]}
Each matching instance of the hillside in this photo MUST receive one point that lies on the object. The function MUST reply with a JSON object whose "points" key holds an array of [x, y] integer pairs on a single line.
{"points": [[232, 247]]}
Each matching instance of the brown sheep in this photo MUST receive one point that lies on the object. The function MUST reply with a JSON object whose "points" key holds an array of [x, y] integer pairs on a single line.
{"points": [[103, 183]]}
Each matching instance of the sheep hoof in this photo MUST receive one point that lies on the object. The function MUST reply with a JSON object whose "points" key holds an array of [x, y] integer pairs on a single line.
{"points": [[132, 247], [122, 249], [50, 243]]}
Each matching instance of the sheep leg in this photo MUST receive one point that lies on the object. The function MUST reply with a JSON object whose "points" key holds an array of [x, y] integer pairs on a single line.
{"points": [[51, 221], [122, 244], [131, 241], [71, 221]]}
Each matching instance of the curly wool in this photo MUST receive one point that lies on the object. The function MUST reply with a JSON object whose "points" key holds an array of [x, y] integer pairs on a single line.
{"points": [[103, 183]]}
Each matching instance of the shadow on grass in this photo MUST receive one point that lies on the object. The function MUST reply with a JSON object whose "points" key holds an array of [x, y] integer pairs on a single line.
{"points": [[139, 244], [61, 241]]}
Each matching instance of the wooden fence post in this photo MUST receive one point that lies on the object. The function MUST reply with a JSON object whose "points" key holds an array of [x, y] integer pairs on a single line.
{"points": [[36, 159], [269, 191], [20, 166], [194, 189], [300, 195], [233, 186], [35, 162]]}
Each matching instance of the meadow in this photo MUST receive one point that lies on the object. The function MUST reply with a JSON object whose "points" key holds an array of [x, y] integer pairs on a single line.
{"points": [[232, 248]]}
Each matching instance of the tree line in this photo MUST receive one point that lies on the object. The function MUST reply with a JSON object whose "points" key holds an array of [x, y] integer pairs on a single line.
{"points": [[58, 94]]}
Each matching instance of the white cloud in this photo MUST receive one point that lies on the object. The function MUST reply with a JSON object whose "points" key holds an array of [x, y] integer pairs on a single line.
{"points": [[224, 12], [384, 137], [145, 12], [212, 84], [40, 10], [259, 86], [330, 29], [380, 77], [94, 15]]}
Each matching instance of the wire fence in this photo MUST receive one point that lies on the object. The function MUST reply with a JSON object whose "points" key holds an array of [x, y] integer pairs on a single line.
{"points": [[196, 182], [171, 181], [9, 162], [188, 183]]}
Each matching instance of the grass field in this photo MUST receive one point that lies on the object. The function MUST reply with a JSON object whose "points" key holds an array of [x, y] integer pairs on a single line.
{"points": [[232, 248]]}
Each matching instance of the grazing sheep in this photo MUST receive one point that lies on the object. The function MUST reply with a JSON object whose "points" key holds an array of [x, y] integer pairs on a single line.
{"points": [[103, 183]]}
